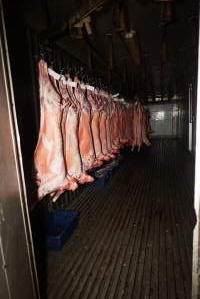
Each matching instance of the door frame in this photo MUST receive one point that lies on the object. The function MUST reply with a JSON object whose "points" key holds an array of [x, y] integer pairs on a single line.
{"points": [[196, 232], [14, 214]]}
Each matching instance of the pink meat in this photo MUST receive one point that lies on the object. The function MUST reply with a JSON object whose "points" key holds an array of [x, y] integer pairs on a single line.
{"points": [[48, 156], [73, 156], [95, 128], [84, 131], [140, 126], [115, 128], [70, 140]]}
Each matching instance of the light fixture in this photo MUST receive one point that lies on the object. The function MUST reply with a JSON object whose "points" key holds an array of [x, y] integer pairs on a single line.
{"points": [[164, 0]]}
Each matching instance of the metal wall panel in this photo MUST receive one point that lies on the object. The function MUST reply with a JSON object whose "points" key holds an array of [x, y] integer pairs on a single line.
{"points": [[15, 235], [164, 119], [3, 279]]}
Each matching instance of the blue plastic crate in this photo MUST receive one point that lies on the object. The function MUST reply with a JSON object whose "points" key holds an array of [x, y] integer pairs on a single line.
{"points": [[60, 226], [102, 180], [115, 168], [120, 159], [112, 167]]}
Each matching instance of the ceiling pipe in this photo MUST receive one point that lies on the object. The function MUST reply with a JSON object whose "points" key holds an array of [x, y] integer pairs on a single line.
{"points": [[86, 10], [59, 30], [127, 35], [164, 0]]}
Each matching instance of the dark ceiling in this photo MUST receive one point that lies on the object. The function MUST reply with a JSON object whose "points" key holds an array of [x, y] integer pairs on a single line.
{"points": [[160, 58]]}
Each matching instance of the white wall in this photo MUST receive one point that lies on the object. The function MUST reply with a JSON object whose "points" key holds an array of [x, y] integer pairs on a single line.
{"points": [[165, 120]]}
